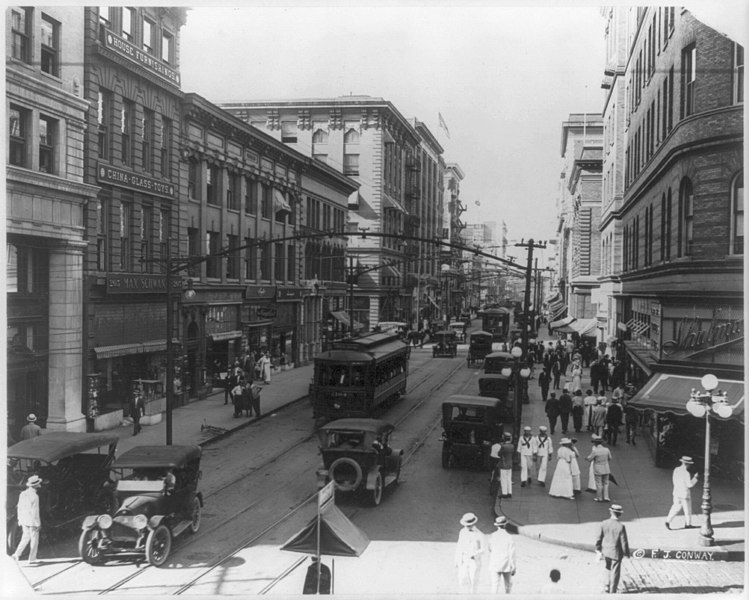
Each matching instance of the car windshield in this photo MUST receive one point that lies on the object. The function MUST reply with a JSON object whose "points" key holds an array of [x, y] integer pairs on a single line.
{"points": [[467, 413]]}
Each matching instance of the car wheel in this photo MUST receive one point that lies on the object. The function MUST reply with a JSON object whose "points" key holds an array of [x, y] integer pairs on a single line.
{"points": [[158, 545], [195, 523], [346, 473], [377, 491], [13, 534], [445, 456], [88, 547]]}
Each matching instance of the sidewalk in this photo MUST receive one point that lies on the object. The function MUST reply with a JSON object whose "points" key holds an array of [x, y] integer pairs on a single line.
{"points": [[644, 491]]}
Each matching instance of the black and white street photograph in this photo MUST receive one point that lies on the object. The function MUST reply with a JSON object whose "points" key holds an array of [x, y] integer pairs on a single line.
{"points": [[421, 298]]}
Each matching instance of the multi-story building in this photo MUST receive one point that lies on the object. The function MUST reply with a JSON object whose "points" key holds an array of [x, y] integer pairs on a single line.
{"points": [[579, 217], [46, 198], [453, 264], [370, 141], [132, 84], [251, 195], [680, 309]]}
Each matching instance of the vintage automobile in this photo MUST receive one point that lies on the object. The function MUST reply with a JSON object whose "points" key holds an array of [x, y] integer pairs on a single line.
{"points": [[445, 344], [75, 471], [159, 499], [459, 328], [499, 386], [497, 361], [479, 345], [470, 424], [357, 456]]}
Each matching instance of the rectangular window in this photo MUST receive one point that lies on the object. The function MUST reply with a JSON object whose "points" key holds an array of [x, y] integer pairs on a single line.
{"points": [[288, 132], [192, 180], [738, 73], [688, 77], [266, 201], [146, 238], [232, 193], [125, 247], [250, 197], [193, 250], [167, 44], [104, 114], [668, 226], [101, 235], [737, 215], [126, 131], [232, 260], [18, 130], [48, 135], [128, 24], [351, 164], [250, 262], [148, 29], [164, 236], [213, 193], [290, 262], [21, 34], [166, 147], [280, 263], [147, 143], [265, 264], [50, 35], [670, 99], [213, 247]]}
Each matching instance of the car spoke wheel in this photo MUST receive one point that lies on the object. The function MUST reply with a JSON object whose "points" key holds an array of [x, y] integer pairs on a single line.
{"points": [[195, 523], [158, 545], [88, 547], [377, 491]]}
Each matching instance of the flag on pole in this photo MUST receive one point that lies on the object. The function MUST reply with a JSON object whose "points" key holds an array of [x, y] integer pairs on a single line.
{"points": [[443, 125]]}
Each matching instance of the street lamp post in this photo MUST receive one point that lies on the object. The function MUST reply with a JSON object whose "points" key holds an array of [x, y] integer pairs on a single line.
{"points": [[520, 373], [701, 404]]}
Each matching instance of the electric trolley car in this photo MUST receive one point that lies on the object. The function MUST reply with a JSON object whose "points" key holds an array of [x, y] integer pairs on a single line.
{"points": [[497, 322], [358, 375]]}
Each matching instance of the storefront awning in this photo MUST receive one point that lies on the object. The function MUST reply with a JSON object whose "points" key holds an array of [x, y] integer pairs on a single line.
{"points": [[563, 323], [134, 348], [558, 310], [343, 317], [553, 298], [388, 202], [391, 271], [586, 326], [666, 393], [226, 335], [279, 202]]}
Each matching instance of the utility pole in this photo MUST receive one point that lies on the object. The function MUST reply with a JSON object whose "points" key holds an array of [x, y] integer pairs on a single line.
{"points": [[351, 295]]}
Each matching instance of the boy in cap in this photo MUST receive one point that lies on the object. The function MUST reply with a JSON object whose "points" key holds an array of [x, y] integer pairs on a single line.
{"points": [[544, 451], [501, 556], [612, 546], [528, 449], [683, 484], [471, 546], [27, 512]]}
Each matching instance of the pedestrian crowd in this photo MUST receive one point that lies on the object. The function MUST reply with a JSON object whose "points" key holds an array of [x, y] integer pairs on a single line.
{"points": [[242, 382]]}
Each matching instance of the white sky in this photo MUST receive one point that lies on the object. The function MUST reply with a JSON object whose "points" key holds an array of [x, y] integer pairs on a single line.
{"points": [[503, 79]]}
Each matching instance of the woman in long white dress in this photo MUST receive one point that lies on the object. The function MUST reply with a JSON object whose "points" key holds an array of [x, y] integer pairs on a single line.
{"points": [[561, 483], [575, 469], [577, 377], [265, 367]]}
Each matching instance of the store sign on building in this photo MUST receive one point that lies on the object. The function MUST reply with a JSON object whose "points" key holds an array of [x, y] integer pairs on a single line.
{"points": [[219, 319], [134, 54], [133, 181], [289, 294], [266, 313], [126, 283], [260, 292], [707, 329]]}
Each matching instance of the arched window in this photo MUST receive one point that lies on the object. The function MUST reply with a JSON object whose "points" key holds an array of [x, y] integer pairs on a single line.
{"points": [[320, 137], [686, 217], [737, 214], [351, 137]]}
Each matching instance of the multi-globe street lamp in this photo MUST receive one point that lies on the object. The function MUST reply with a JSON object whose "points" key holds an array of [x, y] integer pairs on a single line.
{"points": [[702, 404], [520, 372]]}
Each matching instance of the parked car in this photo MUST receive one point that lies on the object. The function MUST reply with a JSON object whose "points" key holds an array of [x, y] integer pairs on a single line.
{"points": [[74, 468], [159, 499], [470, 424], [445, 344], [357, 456], [479, 345]]}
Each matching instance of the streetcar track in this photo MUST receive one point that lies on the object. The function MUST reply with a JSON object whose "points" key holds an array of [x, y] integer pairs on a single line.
{"points": [[250, 540]]}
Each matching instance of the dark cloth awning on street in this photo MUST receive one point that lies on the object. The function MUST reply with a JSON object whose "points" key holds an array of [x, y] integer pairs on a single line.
{"points": [[666, 393], [134, 348], [338, 536], [226, 335], [585, 326]]}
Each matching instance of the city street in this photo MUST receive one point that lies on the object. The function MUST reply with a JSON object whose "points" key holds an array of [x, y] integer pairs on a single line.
{"points": [[259, 485]]}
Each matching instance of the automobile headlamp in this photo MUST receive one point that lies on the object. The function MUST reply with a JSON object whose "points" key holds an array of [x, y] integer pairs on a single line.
{"points": [[104, 521], [140, 521]]}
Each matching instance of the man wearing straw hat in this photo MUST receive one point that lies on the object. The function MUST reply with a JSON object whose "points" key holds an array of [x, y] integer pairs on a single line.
{"points": [[683, 484], [471, 546], [27, 511], [501, 556], [31, 429], [612, 546]]}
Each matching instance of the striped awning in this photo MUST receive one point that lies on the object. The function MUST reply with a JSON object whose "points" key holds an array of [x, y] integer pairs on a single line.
{"points": [[558, 311], [562, 322], [133, 348]]}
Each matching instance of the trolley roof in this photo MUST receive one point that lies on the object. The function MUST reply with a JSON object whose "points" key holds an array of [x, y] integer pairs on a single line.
{"points": [[54, 445], [364, 350], [144, 457]]}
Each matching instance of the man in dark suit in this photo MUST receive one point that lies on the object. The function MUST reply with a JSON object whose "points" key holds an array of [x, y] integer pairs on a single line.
{"points": [[612, 546]]}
